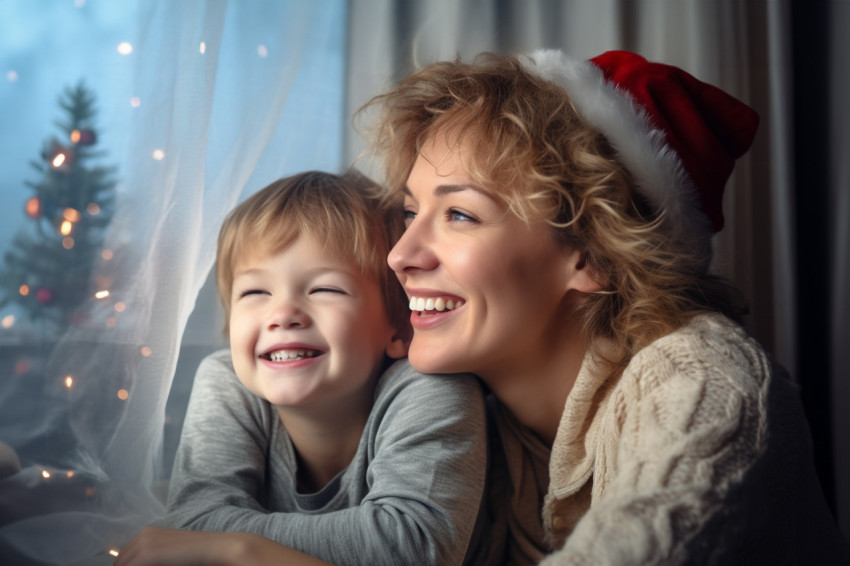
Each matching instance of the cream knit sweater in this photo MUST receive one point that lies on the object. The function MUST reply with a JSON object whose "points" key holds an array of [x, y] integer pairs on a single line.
{"points": [[697, 454]]}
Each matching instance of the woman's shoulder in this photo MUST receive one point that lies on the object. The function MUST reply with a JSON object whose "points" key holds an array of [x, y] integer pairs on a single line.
{"points": [[710, 348]]}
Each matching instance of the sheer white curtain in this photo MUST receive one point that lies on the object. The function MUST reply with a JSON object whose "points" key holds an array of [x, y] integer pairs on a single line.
{"points": [[233, 95], [743, 47]]}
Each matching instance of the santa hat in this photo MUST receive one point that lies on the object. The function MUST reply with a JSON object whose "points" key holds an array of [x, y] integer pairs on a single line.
{"points": [[678, 136]]}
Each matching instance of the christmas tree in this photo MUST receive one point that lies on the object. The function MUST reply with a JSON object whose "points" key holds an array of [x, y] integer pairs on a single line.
{"points": [[47, 271]]}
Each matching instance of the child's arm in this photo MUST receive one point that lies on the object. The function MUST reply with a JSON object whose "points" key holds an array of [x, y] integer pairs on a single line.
{"points": [[422, 472]]}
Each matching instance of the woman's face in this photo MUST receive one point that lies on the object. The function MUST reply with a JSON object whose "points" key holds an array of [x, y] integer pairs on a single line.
{"points": [[487, 290]]}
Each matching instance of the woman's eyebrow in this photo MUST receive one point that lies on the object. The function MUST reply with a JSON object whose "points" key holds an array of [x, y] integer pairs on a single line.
{"points": [[441, 190]]}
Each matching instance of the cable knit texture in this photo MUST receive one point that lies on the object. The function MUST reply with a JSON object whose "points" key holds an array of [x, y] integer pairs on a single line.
{"points": [[675, 462]]}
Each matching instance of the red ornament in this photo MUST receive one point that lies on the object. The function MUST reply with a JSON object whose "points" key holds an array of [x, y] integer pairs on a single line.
{"points": [[83, 137], [33, 208], [44, 295]]}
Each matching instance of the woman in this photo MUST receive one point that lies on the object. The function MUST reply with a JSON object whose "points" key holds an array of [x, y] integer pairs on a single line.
{"points": [[559, 223]]}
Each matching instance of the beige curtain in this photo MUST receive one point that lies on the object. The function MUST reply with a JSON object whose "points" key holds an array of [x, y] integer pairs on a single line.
{"points": [[740, 45]]}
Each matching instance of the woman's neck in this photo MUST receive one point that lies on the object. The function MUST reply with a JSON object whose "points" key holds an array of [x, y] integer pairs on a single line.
{"points": [[325, 443], [535, 388]]}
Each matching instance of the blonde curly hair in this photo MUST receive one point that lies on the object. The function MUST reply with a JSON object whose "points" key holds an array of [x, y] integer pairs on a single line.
{"points": [[531, 149], [344, 212]]}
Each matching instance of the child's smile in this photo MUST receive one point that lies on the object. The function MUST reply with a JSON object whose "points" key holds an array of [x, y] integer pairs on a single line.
{"points": [[307, 328]]}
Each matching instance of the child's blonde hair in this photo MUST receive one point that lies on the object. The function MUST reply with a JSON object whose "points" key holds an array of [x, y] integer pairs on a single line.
{"points": [[530, 148], [343, 212]]}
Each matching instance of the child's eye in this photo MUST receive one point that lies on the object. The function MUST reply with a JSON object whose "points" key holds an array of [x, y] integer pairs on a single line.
{"points": [[455, 215], [327, 290], [248, 292]]}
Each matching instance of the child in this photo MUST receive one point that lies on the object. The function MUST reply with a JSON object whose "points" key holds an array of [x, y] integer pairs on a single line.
{"points": [[321, 444]]}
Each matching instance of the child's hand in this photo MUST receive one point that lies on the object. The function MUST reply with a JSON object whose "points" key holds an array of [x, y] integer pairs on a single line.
{"points": [[154, 546]]}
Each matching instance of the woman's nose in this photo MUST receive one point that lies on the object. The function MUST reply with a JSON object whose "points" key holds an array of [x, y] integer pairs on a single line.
{"points": [[414, 250], [286, 316]]}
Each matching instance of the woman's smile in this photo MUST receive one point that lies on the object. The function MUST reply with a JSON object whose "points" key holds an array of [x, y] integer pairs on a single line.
{"points": [[474, 272]]}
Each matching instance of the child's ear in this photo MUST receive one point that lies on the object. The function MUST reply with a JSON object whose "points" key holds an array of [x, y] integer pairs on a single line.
{"points": [[399, 344]]}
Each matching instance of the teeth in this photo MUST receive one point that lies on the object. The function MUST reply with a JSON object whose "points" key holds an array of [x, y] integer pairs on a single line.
{"points": [[291, 355], [439, 304]]}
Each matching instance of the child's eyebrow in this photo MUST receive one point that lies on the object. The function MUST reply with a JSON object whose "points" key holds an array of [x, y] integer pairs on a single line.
{"points": [[246, 271], [345, 271]]}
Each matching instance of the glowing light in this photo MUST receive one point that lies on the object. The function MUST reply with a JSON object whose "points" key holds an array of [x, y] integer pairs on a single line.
{"points": [[125, 48], [11, 76], [33, 207], [89, 491], [111, 322], [68, 242], [58, 160], [66, 227], [202, 48], [158, 154], [93, 208], [146, 351], [113, 552], [45, 474], [71, 214], [24, 290], [123, 394], [101, 294], [69, 382], [262, 50], [75, 136], [106, 254], [135, 102], [120, 307], [70, 474], [22, 366], [8, 321]]}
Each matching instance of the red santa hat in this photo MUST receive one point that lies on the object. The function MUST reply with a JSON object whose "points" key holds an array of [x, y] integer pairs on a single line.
{"points": [[679, 137]]}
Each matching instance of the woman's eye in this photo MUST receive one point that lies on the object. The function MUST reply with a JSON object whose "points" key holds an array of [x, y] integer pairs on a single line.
{"points": [[409, 215], [455, 215]]}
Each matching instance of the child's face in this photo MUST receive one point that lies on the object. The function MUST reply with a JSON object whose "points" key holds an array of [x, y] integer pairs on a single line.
{"points": [[307, 330]]}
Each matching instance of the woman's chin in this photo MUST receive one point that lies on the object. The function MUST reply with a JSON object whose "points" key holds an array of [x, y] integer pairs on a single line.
{"points": [[426, 361]]}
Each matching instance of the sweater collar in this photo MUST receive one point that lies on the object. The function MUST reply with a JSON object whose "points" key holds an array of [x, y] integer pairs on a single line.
{"points": [[574, 449]]}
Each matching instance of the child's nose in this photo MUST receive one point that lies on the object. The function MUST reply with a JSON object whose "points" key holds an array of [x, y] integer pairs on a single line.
{"points": [[288, 315]]}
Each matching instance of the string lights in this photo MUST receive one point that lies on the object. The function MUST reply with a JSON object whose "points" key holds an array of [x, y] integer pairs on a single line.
{"points": [[63, 214]]}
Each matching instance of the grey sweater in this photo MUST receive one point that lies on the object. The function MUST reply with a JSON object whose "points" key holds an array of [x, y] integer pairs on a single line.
{"points": [[411, 495]]}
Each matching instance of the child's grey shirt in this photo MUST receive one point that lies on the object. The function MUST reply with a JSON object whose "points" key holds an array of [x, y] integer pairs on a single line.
{"points": [[411, 495]]}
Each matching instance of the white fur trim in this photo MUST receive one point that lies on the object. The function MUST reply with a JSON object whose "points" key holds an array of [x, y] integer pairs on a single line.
{"points": [[657, 169]]}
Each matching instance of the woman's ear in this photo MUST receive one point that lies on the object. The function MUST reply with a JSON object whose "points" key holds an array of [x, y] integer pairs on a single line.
{"points": [[580, 276], [399, 344]]}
